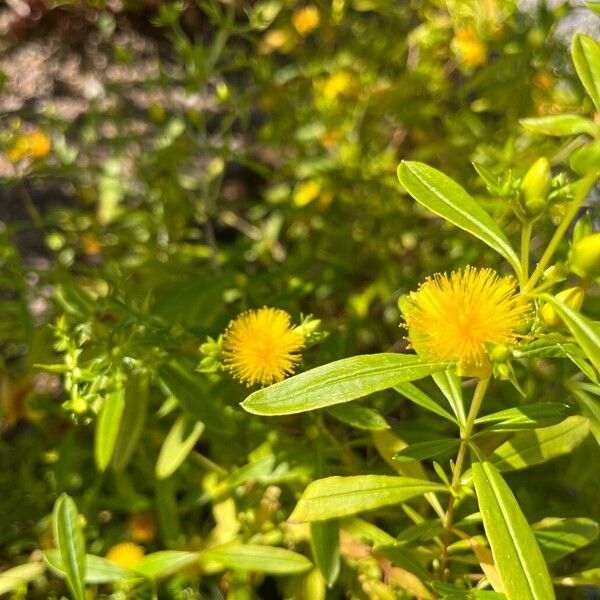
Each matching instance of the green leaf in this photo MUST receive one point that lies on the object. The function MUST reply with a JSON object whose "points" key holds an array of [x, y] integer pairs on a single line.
{"points": [[559, 537], [449, 200], [132, 422], [325, 542], [107, 428], [358, 416], [405, 559], [517, 557], [540, 445], [423, 531], [176, 448], [11, 579], [167, 510], [337, 382], [365, 531], [414, 394], [258, 559], [525, 417], [98, 569], [449, 384], [593, 5], [165, 563], [335, 497], [585, 159], [590, 407], [585, 52], [424, 450], [583, 330], [70, 543], [191, 393], [560, 125]]}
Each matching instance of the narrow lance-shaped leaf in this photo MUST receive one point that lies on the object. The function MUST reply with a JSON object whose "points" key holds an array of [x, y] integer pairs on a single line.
{"points": [[165, 563], [70, 543], [132, 422], [583, 330], [258, 559], [325, 538], [540, 445], [176, 447], [335, 497], [517, 556], [449, 384], [585, 52], [560, 125], [358, 416], [525, 417], [423, 450], [107, 428], [560, 537], [98, 569], [414, 394], [590, 407], [449, 200], [337, 382], [19, 576]]}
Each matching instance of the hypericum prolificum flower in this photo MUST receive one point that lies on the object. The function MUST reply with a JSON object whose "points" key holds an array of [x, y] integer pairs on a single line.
{"points": [[459, 317], [261, 346]]}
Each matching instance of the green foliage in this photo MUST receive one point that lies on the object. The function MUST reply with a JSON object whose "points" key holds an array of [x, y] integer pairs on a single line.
{"points": [[211, 158]]}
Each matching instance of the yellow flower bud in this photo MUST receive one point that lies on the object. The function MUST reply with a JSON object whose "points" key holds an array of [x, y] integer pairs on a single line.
{"points": [[535, 187], [584, 259], [572, 297]]}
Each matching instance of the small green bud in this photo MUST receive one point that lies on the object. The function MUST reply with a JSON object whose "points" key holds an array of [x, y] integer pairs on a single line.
{"points": [[223, 93], [535, 187], [584, 258], [502, 371], [582, 228], [572, 297], [79, 405], [500, 354]]}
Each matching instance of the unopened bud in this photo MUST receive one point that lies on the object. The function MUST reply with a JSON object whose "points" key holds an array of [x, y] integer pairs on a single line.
{"points": [[572, 297], [223, 93], [584, 258], [535, 187], [500, 354]]}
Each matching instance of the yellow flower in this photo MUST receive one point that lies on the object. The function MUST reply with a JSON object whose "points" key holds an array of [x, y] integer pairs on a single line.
{"points": [[306, 19], [261, 346], [35, 144], [458, 317], [338, 84], [471, 51], [126, 555]]}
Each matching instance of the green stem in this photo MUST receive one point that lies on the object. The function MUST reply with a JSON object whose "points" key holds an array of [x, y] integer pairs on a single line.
{"points": [[584, 187], [525, 242], [465, 435]]}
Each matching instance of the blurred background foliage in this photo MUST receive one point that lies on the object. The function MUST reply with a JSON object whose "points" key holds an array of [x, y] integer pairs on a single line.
{"points": [[167, 165]]}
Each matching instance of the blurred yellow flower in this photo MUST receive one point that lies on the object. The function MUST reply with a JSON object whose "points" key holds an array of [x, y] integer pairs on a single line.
{"points": [[306, 192], [261, 346], [126, 555], [306, 19], [142, 527], [35, 145], [469, 48], [458, 317], [337, 84], [277, 40]]}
